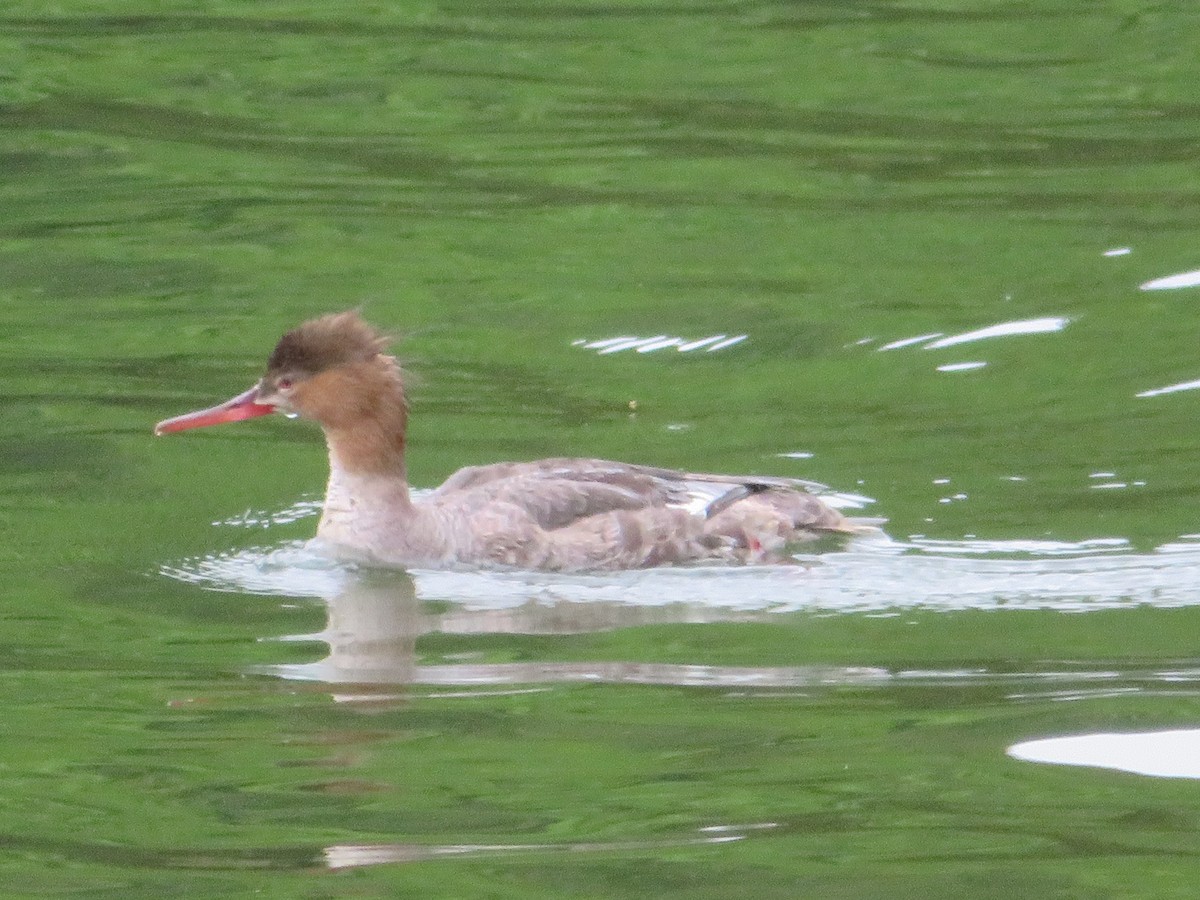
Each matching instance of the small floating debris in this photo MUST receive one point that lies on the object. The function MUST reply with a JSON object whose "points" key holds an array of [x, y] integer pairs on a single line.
{"points": [[1118, 251], [961, 367]]}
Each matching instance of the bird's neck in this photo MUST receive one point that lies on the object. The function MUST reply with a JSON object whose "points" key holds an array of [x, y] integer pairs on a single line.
{"points": [[368, 492], [364, 414], [366, 506], [371, 447]]}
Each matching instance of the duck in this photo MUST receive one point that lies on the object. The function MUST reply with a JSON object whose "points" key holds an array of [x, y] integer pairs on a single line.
{"points": [[557, 514]]}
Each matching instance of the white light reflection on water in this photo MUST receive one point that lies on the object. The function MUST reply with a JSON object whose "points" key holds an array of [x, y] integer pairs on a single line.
{"points": [[257, 518], [703, 342], [661, 344], [934, 340], [709, 344], [909, 341], [1163, 754], [1003, 329], [937, 340], [343, 856], [728, 342], [1173, 282], [1171, 389]]}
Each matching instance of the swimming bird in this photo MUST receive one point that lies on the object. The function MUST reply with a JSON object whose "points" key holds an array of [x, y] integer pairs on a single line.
{"points": [[559, 514]]}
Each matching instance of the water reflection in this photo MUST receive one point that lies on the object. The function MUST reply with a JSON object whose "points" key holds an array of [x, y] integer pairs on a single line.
{"points": [[1171, 389], [1173, 282], [709, 344], [937, 340], [374, 618], [1002, 329], [343, 856], [910, 341], [1164, 754]]}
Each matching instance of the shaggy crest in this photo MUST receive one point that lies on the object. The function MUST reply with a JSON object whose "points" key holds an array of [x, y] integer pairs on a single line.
{"points": [[334, 340]]}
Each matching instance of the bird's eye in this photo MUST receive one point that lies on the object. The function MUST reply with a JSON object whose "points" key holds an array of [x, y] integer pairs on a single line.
{"points": [[284, 384]]}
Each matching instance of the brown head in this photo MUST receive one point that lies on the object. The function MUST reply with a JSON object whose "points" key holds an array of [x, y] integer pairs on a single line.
{"points": [[332, 369]]}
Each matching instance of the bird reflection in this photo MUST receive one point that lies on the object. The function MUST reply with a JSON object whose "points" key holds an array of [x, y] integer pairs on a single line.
{"points": [[371, 629], [375, 619]]}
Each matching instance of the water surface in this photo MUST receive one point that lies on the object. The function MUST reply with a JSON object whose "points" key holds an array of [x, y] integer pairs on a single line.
{"points": [[939, 257]]}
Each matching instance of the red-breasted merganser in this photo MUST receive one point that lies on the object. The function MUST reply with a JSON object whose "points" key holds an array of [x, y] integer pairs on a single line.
{"points": [[552, 514]]}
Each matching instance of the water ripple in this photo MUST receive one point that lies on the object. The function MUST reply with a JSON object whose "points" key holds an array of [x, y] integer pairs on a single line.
{"points": [[872, 574]]}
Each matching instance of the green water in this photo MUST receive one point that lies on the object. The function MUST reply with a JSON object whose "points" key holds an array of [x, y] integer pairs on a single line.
{"points": [[500, 185]]}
